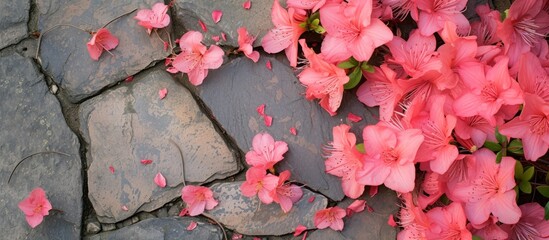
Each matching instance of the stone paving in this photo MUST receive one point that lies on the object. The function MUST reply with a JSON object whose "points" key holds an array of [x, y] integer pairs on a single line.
{"points": [[85, 129]]}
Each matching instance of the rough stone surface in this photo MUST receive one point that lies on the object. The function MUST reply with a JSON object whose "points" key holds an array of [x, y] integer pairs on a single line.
{"points": [[92, 227], [32, 122], [383, 204], [108, 226], [14, 16], [249, 217], [188, 12], [64, 54], [145, 215], [164, 228], [131, 123], [235, 90]]}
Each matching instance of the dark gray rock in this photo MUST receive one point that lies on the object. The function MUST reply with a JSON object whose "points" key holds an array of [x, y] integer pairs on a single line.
{"points": [[163, 212], [383, 204], [64, 54], [130, 123], [188, 12], [32, 122], [233, 93], [249, 217], [14, 16], [175, 209], [92, 227], [164, 228]]}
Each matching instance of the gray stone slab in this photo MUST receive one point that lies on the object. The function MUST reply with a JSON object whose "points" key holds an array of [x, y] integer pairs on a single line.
{"points": [[32, 122], [249, 217], [233, 93], [383, 204], [188, 12], [14, 16], [64, 54], [174, 228], [129, 123]]}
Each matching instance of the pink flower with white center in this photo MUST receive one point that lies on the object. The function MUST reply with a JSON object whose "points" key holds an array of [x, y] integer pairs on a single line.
{"points": [[330, 217], [490, 189], [260, 183], [531, 225], [35, 207], [286, 194], [245, 44], [266, 152], [344, 160], [198, 199], [381, 89], [195, 59], [433, 15], [323, 80], [449, 223], [157, 17]]}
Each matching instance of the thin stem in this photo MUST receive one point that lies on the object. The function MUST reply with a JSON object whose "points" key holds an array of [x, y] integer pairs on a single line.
{"points": [[182, 160], [49, 29], [32, 155], [221, 226], [114, 19]]}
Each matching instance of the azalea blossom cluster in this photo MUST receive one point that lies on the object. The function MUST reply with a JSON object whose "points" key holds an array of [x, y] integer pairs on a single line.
{"points": [[438, 105], [263, 156]]}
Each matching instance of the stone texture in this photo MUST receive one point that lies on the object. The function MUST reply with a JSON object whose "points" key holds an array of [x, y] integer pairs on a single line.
{"points": [[64, 54], [188, 12], [130, 123], [383, 204], [164, 228], [32, 122], [235, 90], [92, 227], [14, 16], [249, 217]]}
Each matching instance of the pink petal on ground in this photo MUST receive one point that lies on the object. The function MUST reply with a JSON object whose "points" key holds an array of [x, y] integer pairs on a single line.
{"points": [[223, 36], [268, 120], [172, 70], [160, 180], [357, 206], [184, 212], [311, 199], [216, 15], [162, 93], [269, 65], [299, 229], [192, 226], [236, 236], [128, 79], [261, 110], [203, 26], [354, 118], [124, 208], [293, 131], [111, 168], [304, 236], [391, 221], [146, 161], [247, 4], [216, 38]]}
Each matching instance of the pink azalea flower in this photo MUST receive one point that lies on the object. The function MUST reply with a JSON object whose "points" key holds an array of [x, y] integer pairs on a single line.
{"points": [[35, 207], [344, 160], [323, 80], [531, 225], [381, 90], [195, 59], [476, 128], [432, 188], [198, 199], [413, 220], [486, 28], [416, 56], [532, 126], [266, 152], [390, 157], [260, 183], [448, 223], [434, 14], [488, 94], [489, 230], [286, 32], [403, 8], [351, 30], [286, 194], [532, 77], [313, 5], [101, 40], [330, 217], [245, 41], [156, 18], [489, 189]]}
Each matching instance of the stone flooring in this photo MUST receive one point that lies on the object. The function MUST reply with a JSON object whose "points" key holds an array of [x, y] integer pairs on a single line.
{"points": [[85, 129]]}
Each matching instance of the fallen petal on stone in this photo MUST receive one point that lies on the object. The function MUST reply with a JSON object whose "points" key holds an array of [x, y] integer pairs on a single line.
{"points": [[247, 4], [162, 93], [160, 180], [216, 15], [192, 226]]}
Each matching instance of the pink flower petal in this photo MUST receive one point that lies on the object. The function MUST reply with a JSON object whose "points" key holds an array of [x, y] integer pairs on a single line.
{"points": [[111, 168], [146, 161], [354, 118], [236, 236], [299, 229], [128, 79], [391, 221], [304, 236], [357, 206], [162, 93], [269, 65], [172, 70], [216, 15], [293, 131], [184, 212], [247, 4], [223, 36], [203, 26], [160, 180], [125, 208], [373, 191], [311, 199], [268, 120], [216, 38], [261, 110], [192, 226], [166, 45]]}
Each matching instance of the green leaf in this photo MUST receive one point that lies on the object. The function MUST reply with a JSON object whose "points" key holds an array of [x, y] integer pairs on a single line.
{"points": [[366, 67], [525, 187], [544, 190], [492, 146], [347, 64], [354, 78], [501, 139], [499, 156], [528, 174], [319, 30], [477, 238], [519, 170], [360, 148], [547, 178], [546, 217], [515, 146], [504, 14]]}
